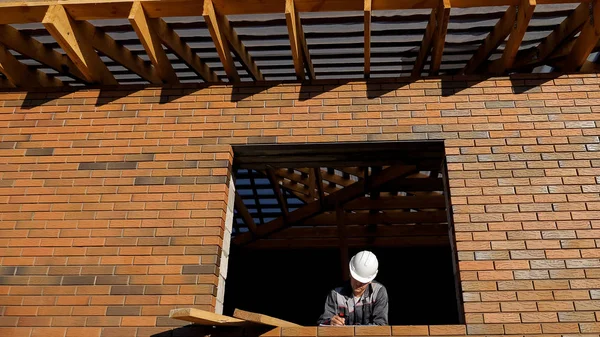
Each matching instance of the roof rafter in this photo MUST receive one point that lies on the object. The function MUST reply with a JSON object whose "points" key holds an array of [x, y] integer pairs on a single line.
{"points": [[145, 31], [587, 40], [20, 74], [568, 28], [30, 47], [243, 211], [425, 45], [492, 41], [524, 14], [225, 37], [172, 40], [439, 38], [300, 53], [367, 10], [77, 45]]}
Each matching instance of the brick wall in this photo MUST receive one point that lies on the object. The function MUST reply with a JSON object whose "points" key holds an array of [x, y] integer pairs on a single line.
{"points": [[113, 203]]}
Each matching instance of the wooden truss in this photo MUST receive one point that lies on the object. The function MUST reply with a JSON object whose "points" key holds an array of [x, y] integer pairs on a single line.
{"points": [[337, 205], [566, 48]]}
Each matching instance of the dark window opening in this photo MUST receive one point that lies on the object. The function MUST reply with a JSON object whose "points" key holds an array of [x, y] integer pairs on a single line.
{"points": [[302, 210]]}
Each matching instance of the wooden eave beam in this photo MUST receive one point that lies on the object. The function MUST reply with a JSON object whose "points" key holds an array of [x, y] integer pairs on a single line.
{"points": [[145, 31], [243, 212], [172, 40], [300, 53], [367, 48], [225, 37], [568, 28], [524, 14], [29, 11], [439, 39], [216, 25], [385, 218], [586, 41], [425, 47], [492, 41], [77, 45], [292, 20], [21, 75], [30, 47]]}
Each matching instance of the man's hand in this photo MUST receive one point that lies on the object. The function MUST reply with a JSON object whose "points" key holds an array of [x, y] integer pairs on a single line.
{"points": [[337, 320]]}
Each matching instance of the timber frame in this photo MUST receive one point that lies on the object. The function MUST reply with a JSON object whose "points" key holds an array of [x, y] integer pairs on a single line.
{"points": [[380, 194], [155, 51]]}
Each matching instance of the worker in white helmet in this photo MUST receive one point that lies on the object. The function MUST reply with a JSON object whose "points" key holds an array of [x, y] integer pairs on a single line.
{"points": [[362, 301]]}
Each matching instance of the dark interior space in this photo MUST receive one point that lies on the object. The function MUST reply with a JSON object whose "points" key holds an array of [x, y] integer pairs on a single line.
{"points": [[293, 284]]}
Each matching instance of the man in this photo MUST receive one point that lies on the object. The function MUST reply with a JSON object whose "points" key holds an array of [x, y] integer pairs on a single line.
{"points": [[362, 301]]}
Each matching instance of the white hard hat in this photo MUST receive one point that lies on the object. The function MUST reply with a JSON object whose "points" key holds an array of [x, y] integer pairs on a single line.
{"points": [[364, 266]]}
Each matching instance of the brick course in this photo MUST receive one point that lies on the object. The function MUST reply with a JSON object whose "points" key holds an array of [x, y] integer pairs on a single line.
{"points": [[113, 204]]}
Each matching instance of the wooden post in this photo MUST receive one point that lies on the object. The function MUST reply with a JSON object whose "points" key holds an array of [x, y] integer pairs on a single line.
{"points": [[343, 239]]}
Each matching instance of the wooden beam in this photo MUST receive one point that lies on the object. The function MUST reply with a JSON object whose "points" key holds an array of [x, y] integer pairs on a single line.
{"points": [[385, 218], [206, 318], [21, 75], [568, 28], [343, 236], [524, 14], [241, 208], [263, 319], [216, 25], [587, 40], [145, 31], [224, 37], [111, 48], [6, 84], [425, 45], [278, 193], [30, 47], [362, 231], [292, 20], [397, 202], [313, 208], [172, 40], [77, 45], [319, 184], [439, 39], [367, 48], [492, 41]]}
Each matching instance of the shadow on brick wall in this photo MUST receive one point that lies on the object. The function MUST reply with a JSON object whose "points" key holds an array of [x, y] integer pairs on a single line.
{"points": [[375, 88]]}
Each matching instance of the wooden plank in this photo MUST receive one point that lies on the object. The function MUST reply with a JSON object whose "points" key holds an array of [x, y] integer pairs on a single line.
{"points": [[144, 28], [385, 218], [278, 193], [243, 212], [439, 39], [492, 41], [292, 19], [21, 75], [524, 14], [367, 48], [263, 319], [397, 202], [30, 47], [216, 25], [77, 45], [225, 34], [568, 28], [313, 208], [425, 45], [172, 40], [357, 231], [111, 48], [319, 184], [203, 317], [27, 11], [586, 41]]}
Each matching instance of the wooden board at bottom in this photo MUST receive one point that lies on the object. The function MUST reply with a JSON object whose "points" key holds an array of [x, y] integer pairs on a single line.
{"points": [[262, 319], [203, 317]]}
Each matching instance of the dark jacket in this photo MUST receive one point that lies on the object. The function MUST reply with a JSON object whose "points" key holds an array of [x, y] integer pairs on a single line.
{"points": [[372, 309]]}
